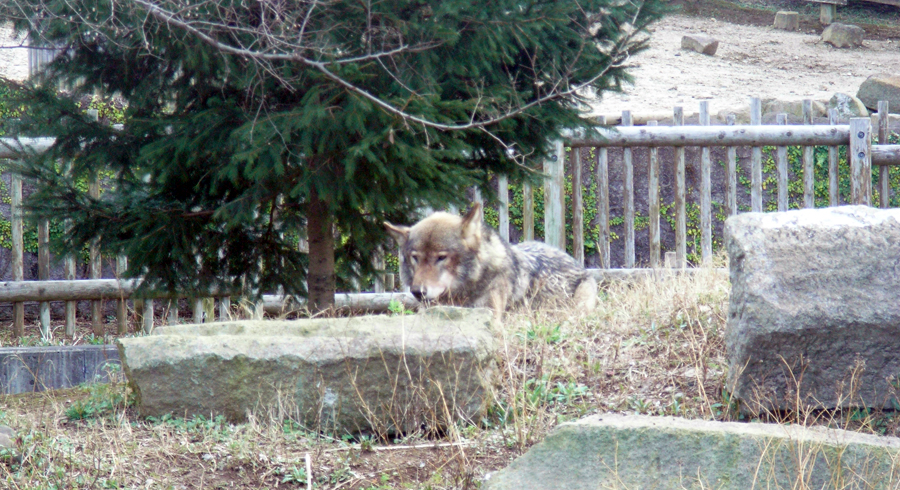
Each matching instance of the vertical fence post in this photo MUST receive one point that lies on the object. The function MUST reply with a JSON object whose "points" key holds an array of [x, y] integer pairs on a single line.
{"points": [[834, 197], [96, 269], [43, 230], [628, 162], [653, 203], [71, 306], [225, 301], [577, 208], [884, 171], [705, 192], [147, 324], [860, 153], [377, 262], [756, 159], [69, 271], [527, 212], [603, 202], [503, 211], [18, 251], [121, 303], [172, 316], [782, 167], [809, 169], [476, 198], [198, 310], [554, 212], [731, 175], [680, 198]]}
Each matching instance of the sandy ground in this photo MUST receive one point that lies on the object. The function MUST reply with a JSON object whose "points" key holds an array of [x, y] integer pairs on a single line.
{"points": [[751, 61], [13, 56]]}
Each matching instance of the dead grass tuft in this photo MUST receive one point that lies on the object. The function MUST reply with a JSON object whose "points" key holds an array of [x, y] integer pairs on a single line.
{"points": [[653, 346]]}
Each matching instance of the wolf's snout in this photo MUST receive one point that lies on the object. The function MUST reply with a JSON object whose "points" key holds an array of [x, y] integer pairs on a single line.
{"points": [[418, 293]]}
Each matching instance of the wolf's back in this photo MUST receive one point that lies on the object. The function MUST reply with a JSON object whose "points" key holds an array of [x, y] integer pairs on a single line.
{"points": [[546, 273]]}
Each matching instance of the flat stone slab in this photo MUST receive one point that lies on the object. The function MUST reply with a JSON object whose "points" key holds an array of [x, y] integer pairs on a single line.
{"points": [[814, 314], [639, 451], [700, 43], [360, 374]]}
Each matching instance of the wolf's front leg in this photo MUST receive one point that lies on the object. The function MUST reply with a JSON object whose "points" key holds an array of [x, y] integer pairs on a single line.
{"points": [[498, 301]]}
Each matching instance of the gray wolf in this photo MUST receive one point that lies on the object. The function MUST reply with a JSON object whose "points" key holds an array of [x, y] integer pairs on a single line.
{"points": [[453, 260]]}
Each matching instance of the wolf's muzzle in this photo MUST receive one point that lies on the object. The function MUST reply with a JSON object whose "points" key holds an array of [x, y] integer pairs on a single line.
{"points": [[418, 293]]}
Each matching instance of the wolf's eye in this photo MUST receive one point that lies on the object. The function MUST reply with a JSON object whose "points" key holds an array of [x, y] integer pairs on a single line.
{"points": [[414, 257], [440, 257]]}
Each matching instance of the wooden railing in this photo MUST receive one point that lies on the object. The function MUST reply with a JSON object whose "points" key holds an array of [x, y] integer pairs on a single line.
{"points": [[857, 136]]}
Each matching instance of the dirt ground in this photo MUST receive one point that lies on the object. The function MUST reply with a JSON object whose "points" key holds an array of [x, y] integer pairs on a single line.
{"points": [[751, 61]]}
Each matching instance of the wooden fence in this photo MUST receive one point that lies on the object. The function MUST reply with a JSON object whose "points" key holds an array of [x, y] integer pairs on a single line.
{"points": [[857, 136]]}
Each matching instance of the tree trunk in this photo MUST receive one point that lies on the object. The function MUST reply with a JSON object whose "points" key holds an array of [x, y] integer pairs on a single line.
{"points": [[320, 231]]}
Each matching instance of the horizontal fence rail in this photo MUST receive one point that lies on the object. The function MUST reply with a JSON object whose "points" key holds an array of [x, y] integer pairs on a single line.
{"points": [[676, 136], [83, 289], [857, 136]]}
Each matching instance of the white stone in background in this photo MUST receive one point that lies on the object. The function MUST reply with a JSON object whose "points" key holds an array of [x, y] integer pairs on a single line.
{"points": [[843, 35], [848, 106], [787, 21], [13, 55], [700, 43]]}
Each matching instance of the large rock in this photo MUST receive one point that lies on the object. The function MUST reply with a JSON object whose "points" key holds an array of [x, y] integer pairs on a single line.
{"points": [[843, 35], [787, 21], [848, 106], [700, 43], [638, 451], [793, 108], [814, 319], [881, 87], [372, 373]]}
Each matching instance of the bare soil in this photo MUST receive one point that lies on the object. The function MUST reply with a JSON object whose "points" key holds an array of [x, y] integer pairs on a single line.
{"points": [[753, 60]]}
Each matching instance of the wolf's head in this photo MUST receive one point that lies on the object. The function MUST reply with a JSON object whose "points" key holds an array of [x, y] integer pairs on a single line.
{"points": [[437, 252]]}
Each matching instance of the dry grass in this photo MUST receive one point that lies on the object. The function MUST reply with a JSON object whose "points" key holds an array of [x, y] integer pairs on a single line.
{"points": [[653, 346]]}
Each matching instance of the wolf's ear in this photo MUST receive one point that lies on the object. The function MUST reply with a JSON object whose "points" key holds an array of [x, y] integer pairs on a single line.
{"points": [[400, 233], [471, 227]]}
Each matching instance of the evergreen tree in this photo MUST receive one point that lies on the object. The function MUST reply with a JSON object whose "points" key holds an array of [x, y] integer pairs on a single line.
{"points": [[249, 120]]}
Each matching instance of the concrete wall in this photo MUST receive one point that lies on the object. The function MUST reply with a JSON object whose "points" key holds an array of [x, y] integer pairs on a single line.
{"points": [[31, 369]]}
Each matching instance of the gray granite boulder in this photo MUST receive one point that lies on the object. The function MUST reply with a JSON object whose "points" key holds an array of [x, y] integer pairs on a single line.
{"points": [[359, 374], [848, 106], [639, 451], [814, 315], [881, 87], [843, 35]]}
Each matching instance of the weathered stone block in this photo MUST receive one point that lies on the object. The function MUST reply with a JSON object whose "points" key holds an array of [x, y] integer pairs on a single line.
{"points": [[700, 43], [787, 21], [848, 106], [371, 373], [815, 308], [639, 451], [793, 108], [881, 87], [843, 35]]}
